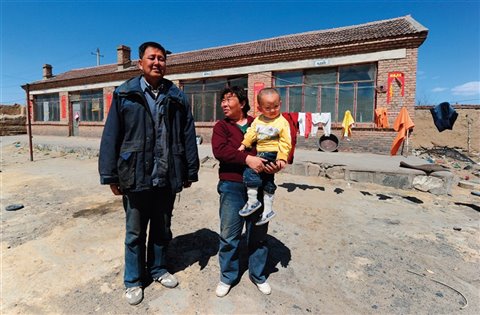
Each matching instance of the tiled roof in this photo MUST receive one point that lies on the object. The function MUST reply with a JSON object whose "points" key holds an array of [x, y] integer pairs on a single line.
{"points": [[401, 27]]}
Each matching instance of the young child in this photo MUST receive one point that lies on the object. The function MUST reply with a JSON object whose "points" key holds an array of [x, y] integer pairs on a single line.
{"points": [[271, 132]]}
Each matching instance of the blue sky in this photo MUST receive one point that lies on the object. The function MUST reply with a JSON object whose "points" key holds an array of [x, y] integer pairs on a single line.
{"points": [[66, 33]]}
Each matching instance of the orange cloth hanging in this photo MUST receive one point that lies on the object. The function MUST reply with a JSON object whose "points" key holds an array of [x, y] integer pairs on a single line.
{"points": [[403, 123], [381, 118], [347, 124]]}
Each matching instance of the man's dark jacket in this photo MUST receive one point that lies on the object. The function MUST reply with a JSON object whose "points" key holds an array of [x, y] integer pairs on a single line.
{"points": [[129, 143]]}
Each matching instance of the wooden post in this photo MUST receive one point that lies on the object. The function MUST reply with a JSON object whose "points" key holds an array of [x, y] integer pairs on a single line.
{"points": [[29, 122]]}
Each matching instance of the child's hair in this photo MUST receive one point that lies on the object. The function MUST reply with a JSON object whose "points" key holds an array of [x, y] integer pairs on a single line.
{"points": [[266, 91]]}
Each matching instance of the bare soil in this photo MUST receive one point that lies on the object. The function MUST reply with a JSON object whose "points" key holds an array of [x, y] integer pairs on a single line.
{"points": [[335, 247]]}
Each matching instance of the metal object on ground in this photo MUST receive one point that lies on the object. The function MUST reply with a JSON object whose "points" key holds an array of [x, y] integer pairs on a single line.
{"points": [[328, 143], [14, 207]]}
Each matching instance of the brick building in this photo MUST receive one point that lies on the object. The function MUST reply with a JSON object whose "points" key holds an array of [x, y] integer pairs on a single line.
{"points": [[358, 68]]}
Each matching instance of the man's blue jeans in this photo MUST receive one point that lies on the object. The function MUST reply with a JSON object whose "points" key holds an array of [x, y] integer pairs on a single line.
{"points": [[155, 207], [233, 197], [263, 180]]}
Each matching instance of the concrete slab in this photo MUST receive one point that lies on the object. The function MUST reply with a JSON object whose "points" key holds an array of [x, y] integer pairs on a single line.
{"points": [[359, 167]]}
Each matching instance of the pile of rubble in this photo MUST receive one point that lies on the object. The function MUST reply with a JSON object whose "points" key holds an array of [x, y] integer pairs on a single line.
{"points": [[465, 165]]}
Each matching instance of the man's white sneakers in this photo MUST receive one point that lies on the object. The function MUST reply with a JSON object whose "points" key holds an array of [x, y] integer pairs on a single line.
{"points": [[222, 289], [134, 295], [265, 288]]}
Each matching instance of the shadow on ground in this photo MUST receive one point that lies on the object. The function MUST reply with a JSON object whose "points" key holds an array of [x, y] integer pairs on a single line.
{"points": [[186, 250], [277, 253]]}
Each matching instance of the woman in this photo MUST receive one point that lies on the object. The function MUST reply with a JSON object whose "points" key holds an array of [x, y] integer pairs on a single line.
{"points": [[227, 137]]}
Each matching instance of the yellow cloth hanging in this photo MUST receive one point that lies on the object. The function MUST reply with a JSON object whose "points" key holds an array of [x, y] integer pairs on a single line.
{"points": [[347, 124]]}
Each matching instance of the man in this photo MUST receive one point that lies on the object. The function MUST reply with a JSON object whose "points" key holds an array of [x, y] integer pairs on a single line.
{"points": [[148, 153]]}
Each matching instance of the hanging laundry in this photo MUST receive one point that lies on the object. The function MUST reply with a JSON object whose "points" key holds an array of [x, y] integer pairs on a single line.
{"points": [[308, 124], [444, 116], [403, 123], [301, 123], [347, 124], [381, 118], [325, 120], [292, 119]]}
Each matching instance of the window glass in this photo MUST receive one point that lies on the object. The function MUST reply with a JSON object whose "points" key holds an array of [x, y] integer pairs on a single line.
{"points": [[197, 102], [288, 78], [91, 105], [295, 99], [311, 99], [365, 99], [241, 82], [321, 76], [193, 86], [331, 90], [46, 107], [204, 96], [327, 101], [357, 73], [209, 105], [345, 100], [283, 97]]}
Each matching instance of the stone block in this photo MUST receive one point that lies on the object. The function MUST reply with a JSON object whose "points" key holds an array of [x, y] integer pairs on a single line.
{"points": [[335, 172], [360, 176], [313, 169], [401, 181]]}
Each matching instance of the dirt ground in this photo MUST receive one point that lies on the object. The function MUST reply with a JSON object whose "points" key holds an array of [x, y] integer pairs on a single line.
{"points": [[335, 247]]}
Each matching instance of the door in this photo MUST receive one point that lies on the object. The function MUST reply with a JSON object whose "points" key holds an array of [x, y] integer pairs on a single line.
{"points": [[76, 118]]}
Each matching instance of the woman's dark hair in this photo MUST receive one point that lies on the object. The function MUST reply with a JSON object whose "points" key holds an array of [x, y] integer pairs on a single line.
{"points": [[241, 94], [144, 46]]}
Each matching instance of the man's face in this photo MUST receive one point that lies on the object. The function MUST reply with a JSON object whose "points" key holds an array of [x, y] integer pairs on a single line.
{"points": [[153, 64]]}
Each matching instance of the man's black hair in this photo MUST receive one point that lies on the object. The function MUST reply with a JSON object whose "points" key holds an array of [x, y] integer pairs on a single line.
{"points": [[144, 46], [240, 93]]}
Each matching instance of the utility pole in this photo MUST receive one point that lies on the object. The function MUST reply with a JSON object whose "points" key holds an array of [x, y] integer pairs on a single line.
{"points": [[98, 56]]}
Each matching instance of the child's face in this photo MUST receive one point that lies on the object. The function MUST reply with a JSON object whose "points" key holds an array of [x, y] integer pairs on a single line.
{"points": [[270, 105]]}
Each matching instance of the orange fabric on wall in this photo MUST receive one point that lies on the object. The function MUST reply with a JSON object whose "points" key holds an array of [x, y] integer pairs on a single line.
{"points": [[381, 118], [402, 124]]}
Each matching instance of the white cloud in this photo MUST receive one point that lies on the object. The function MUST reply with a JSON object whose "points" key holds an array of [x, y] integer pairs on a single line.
{"points": [[469, 88], [438, 89]]}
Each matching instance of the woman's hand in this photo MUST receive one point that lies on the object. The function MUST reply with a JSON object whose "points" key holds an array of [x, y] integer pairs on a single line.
{"points": [[255, 163]]}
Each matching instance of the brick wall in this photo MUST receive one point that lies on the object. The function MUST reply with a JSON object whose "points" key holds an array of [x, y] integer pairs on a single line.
{"points": [[408, 66], [51, 130], [259, 77]]}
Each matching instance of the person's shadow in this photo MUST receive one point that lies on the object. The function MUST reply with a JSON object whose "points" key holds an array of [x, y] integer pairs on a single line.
{"points": [[277, 253], [185, 250]]}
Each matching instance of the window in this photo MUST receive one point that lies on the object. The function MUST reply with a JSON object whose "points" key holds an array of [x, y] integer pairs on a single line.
{"points": [[91, 105], [204, 96], [334, 90], [46, 107]]}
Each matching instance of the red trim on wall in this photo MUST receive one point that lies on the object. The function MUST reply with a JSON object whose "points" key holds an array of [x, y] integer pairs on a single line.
{"points": [[63, 107], [109, 102], [257, 87]]}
